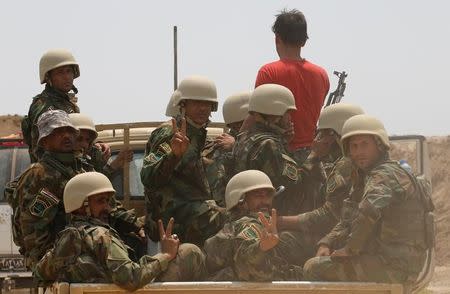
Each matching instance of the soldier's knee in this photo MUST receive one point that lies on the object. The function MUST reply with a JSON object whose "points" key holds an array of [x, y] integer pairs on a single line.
{"points": [[192, 261], [312, 269]]}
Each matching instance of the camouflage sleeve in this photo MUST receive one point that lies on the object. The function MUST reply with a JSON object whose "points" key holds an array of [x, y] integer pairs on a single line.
{"points": [[250, 262], [280, 168], [379, 192], [53, 265], [336, 238], [122, 270], [159, 161], [38, 209], [338, 186], [122, 219]]}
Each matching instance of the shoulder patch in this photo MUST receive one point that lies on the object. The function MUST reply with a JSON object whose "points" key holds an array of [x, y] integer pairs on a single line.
{"points": [[153, 158], [250, 232], [290, 168], [165, 148], [42, 202]]}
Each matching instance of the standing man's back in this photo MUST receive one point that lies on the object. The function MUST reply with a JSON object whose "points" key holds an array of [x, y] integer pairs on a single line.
{"points": [[308, 82]]}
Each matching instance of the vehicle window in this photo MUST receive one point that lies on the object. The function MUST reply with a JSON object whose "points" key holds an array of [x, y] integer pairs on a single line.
{"points": [[5, 170], [136, 187]]}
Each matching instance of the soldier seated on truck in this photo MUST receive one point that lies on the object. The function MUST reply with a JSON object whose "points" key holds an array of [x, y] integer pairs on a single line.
{"points": [[306, 229], [126, 222], [381, 236], [173, 171], [246, 249], [92, 154], [90, 251], [218, 152]]}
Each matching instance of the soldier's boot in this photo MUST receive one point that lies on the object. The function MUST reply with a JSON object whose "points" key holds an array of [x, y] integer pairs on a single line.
{"points": [[189, 265]]}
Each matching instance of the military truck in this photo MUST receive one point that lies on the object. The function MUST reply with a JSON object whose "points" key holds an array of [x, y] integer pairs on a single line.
{"points": [[131, 192]]}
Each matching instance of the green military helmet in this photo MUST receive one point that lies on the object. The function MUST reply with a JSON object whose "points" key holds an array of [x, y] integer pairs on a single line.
{"points": [[82, 186], [363, 124], [197, 88], [334, 116], [173, 110], [272, 99], [55, 58], [83, 122], [244, 182], [235, 107]]}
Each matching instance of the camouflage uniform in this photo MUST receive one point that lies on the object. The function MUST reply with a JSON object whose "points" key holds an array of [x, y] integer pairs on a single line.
{"points": [[314, 225], [90, 251], [124, 221], [49, 99], [41, 212], [179, 188], [382, 228], [234, 254], [263, 148]]}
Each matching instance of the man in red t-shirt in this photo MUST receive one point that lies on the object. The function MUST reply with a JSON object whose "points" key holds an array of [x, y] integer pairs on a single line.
{"points": [[308, 82]]}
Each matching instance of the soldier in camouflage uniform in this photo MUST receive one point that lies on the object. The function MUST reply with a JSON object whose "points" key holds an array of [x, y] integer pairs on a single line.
{"points": [[57, 70], [309, 227], [90, 251], [173, 170], [381, 233], [217, 153], [263, 146], [40, 215], [246, 249], [85, 146], [127, 224]]}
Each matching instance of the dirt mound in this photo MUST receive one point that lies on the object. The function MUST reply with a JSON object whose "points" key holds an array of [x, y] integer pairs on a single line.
{"points": [[440, 161], [9, 124]]}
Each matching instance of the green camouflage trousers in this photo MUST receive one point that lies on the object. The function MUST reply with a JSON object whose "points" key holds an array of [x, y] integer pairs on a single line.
{"points": [[189, 265], [361, 268]]}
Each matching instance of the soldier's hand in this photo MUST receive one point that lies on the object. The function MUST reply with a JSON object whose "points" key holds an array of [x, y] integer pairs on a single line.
{"points": [[169, 242], [322, 144], [125, 155], [106, 150], [323, 250], [340, 253], [269, 236], [225, 141], [179, 142]]}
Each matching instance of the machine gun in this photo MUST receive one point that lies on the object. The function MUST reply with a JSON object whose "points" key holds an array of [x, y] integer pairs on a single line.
{"points": [[336, 95]]}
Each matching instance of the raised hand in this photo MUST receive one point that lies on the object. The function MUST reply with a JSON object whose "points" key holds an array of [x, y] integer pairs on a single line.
{"points": [[323, 250], [179, 142], [225, 141], [169, 242], [125, 155], [269, 236]]}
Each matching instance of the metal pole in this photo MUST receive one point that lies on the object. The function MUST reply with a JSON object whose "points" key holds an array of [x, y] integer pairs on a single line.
{"points": [[175, 59]]}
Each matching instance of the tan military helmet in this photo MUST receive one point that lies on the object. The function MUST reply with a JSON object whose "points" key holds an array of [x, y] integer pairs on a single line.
{"points": [[363, 124], [83, 122], [235, 107], [173, 110], [244, 182], [82, 186], [271, 99], [55, 58], [334, 116], [197, 88]]}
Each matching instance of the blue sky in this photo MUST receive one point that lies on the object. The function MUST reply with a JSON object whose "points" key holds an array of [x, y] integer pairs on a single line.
{"points": [[396, 53]]}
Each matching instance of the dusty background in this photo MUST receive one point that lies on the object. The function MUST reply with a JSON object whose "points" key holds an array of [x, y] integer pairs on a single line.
{"points": [[439, 150]]}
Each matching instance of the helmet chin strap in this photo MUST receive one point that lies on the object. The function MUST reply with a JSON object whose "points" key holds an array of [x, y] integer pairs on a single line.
{"points": [[87, 209]]}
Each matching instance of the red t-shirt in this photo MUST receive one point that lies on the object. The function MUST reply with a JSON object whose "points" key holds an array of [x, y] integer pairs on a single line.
{"points": [[309, 83]]}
